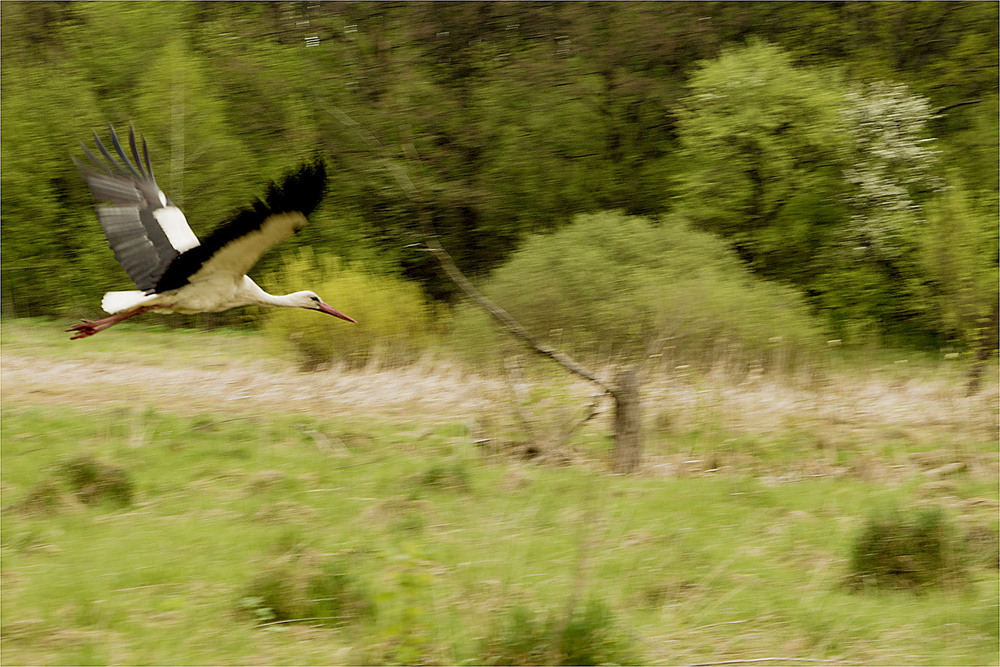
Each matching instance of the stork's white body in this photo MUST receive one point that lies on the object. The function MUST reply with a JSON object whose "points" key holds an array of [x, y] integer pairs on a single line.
{"points": [[213, 295], [221, 283], [174, 271]]}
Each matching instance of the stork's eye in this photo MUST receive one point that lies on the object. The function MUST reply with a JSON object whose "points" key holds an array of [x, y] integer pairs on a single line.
{"points": [[315, 298]]}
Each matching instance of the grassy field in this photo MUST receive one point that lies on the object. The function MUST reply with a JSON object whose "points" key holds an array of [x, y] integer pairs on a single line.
{"points": [[230, 497]]}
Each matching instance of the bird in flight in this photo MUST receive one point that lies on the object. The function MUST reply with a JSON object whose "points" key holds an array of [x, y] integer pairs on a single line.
{"points": [[173, 270]]}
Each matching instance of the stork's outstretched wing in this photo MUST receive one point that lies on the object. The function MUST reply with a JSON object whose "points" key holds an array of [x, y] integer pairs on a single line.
{"points": [[145, 231], [236, 245]]}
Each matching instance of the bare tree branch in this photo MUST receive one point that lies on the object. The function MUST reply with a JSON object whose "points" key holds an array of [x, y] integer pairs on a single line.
{"points": [[949, 107], [502, 315], [299, 620], [448, 264], [624, 389]]}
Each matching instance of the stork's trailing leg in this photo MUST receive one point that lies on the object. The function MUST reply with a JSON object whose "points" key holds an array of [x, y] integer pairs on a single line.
{"points": [[89, 328]]}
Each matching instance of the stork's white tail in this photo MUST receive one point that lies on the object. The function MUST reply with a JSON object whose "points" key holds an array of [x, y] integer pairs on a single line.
{"points": [[114, 302]]}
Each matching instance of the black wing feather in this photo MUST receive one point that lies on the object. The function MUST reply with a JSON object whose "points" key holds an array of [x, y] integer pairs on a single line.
{"points": [[127, 200], [135, 151], [121, 154], [93, 158], [300, 191], [107, 156], [145, 154]]}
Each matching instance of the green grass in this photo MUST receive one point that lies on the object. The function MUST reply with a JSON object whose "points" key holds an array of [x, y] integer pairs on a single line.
{"points": [[149, 343], [449, 554]]}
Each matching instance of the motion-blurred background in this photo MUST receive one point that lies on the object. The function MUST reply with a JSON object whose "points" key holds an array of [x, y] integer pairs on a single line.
{"points": [[781, 216], [831, 167]]}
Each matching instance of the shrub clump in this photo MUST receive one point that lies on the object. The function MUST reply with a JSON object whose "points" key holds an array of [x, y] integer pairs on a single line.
{"points": [[906, 550], [588, 637], [394, 322], [94, 481], [613, 286], [983, 544], [446, 476], [307, 587], [45, 498]]}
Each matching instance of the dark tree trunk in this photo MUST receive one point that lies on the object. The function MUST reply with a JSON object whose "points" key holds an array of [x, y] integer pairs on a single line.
{"points": [[987, 345], [628, 422]]}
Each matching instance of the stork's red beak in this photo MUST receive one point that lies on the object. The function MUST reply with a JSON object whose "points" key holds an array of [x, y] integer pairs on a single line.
{"points": [[330, 310]]}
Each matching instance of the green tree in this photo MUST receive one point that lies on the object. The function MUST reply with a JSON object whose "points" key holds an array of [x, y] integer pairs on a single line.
{"points": [[522, 116], [764, 146], [814, 182], [890, 172], [199, 160], [53, 250], [616, 287], [958, 252]]}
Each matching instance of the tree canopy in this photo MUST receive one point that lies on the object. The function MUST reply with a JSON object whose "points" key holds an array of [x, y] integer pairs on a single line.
{"points": [[833, 145]]}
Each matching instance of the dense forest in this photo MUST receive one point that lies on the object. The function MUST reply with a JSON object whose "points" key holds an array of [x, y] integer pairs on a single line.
{"points": [[848, 151]]}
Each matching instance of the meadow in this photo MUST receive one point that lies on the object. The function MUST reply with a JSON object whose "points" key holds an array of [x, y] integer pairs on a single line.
{"points": [[179, 497]]}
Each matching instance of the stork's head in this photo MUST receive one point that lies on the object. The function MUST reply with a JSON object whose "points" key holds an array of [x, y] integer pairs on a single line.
{"points": [[310, 301]]}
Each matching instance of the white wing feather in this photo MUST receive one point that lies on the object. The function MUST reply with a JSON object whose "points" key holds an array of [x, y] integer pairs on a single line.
{"points": [[173, 223]]}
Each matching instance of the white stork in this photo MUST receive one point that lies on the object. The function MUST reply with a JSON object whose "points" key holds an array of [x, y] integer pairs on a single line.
{"points": [[175, 273]]}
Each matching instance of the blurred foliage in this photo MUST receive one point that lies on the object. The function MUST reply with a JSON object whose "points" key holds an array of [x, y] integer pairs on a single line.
{"points": [[94, 481], [305, 585], [749, 118], [588, 635], [43, 499], [763, 141], [958, 251], [394, 322], [814, 182], [907, 549], [612, 286]]}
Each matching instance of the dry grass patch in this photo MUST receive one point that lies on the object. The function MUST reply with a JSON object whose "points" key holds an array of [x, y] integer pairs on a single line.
{"points": [[429, 388]]}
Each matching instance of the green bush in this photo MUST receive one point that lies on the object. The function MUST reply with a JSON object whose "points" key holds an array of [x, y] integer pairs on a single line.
{"points": [[394, 322], [445, 475], [588, 637], [303, 586], [45, 498], [909, 550], [957, 252], [95, 481], [610, 286]]}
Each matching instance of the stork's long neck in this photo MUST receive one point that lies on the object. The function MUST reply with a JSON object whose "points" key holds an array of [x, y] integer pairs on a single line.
{"points": [[255, 296]]}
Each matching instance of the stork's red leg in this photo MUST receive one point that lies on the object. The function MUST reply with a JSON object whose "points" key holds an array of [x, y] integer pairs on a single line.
{"points": [[89, 328]]}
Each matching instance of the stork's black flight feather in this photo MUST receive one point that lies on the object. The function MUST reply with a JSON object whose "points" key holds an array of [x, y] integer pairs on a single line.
{"points": [[300, 191], [152, 240], [129, 203]]}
